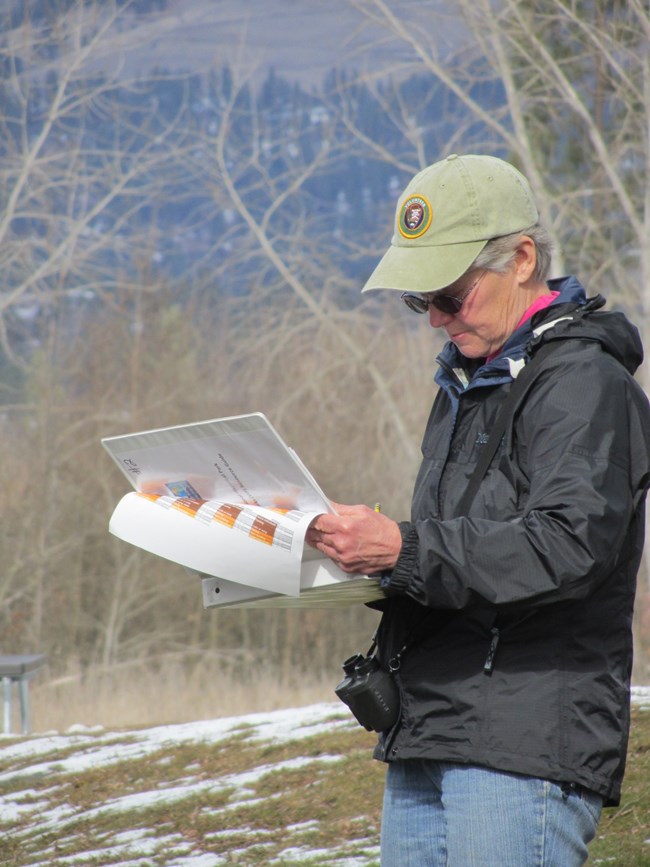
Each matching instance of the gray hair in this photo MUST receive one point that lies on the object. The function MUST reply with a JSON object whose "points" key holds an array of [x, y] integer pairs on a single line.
{"points": [[499, 253]]}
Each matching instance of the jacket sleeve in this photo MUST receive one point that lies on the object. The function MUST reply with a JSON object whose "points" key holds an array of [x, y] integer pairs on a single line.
{"points": [[585, 436]]}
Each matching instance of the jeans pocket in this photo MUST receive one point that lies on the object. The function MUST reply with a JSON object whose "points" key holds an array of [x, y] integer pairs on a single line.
{"points": [[593, 803]]}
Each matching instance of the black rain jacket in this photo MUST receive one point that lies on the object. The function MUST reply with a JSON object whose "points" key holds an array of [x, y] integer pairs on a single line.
{"points": [[514, 621]]}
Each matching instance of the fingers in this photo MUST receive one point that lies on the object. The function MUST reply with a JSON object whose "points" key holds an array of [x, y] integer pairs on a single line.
{"points": [[318, 527], [357, 538], [349, 520], [343, 509]]}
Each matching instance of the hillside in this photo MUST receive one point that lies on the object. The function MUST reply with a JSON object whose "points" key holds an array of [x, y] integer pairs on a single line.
{"points": [[291, 787], [302, 40]]}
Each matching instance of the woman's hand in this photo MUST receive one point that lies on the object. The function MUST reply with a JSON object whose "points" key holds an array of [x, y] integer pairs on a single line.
{"points": [[358, 539]]}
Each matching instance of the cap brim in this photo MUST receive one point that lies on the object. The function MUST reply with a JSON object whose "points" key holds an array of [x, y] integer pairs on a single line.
{"points": [[423, 269]]}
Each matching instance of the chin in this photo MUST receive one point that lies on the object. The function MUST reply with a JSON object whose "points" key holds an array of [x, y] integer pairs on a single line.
{"points": [[471, 351]]}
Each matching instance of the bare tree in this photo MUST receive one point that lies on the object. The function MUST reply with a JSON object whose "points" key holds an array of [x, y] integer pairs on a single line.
{"points": [[104, 176], [72, 216]]}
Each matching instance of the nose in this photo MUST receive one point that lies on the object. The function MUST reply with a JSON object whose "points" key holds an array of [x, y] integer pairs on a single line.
{"points": [[438, 319]]}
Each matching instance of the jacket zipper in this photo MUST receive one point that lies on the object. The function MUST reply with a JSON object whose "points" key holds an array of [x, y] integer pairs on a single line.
{"points": [[489, 661]]}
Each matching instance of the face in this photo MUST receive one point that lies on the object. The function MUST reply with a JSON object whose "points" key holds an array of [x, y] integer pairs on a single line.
{"points": [[489, 315]]}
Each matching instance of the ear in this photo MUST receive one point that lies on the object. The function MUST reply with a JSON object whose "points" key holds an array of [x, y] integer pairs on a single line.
{"points": [[525, 258]]}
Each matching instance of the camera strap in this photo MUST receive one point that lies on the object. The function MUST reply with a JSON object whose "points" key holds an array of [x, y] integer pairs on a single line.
{"points": [[517, 390], [395, 662]]}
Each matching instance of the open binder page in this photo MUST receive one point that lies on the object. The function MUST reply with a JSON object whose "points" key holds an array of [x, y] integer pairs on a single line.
{"points": [[228, 499], [255, 546], [241, 459]]}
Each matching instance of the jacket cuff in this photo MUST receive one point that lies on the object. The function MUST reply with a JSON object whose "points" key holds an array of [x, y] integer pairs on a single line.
{"points": [[398, 579]]}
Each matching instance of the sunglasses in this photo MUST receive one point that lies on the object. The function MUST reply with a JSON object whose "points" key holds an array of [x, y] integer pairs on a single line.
{"points": [[449, 304]]}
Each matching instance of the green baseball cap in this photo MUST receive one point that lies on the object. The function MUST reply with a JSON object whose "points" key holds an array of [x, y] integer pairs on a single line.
{"points": [[446, 215]]}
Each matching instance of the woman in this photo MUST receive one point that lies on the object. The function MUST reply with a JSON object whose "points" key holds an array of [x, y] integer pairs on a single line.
{"points": [[510, 625]]}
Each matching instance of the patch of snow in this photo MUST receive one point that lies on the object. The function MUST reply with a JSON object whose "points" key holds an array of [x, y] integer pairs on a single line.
{"points": [[277, 727], [236, 832], [641, 696], [201, 859], [80, 729], [304, 827]]}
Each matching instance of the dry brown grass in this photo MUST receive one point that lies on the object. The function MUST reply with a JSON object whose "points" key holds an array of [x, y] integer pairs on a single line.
{"points": [[173, 693]]}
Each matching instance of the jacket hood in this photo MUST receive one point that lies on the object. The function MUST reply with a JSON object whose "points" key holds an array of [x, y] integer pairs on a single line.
{"points": [[610, 328]]}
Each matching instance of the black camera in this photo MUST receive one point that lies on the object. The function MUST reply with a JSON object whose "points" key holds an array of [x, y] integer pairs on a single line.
{"points": [[370, 692]]}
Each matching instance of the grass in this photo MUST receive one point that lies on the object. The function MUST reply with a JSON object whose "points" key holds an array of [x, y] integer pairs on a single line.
{"points": [[141, 695], [624, 832], [239, 798]]}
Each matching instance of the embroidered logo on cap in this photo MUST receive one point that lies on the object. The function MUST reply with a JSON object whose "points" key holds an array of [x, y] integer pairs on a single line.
{"points": [[414, 217]]}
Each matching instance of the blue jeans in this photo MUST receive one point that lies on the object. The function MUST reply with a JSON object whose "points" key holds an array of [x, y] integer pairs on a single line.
{"points": [[441, 814]]}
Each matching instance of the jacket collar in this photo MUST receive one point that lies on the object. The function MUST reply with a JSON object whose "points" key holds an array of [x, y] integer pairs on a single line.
{"points": [[455, 371]]}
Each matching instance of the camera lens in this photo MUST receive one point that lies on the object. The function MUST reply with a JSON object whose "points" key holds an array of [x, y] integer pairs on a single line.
{"points": [[351, 663], [365, 665]]}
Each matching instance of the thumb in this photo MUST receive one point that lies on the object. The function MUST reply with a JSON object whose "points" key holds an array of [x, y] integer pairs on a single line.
{"points": [[342, 508]]}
